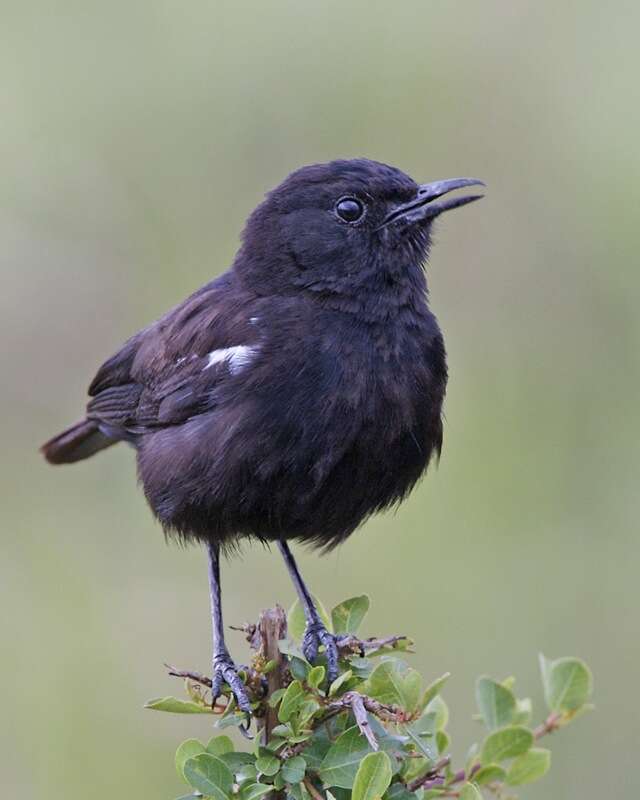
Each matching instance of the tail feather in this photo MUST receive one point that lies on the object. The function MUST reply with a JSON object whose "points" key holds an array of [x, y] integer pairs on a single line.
{"points": [[79, 441]]}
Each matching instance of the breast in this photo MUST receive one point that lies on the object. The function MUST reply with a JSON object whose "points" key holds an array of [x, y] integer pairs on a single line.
{"points": [[310, 440], [383, 430], [395, 370]]}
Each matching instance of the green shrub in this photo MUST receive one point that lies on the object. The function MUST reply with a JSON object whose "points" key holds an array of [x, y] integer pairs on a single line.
{"points": [[376, 732]]}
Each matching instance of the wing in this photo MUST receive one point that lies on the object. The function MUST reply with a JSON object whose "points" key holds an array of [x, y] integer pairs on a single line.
{"points": [[171, 370]]}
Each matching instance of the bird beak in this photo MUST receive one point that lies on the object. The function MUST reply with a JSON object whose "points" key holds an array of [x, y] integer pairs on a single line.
{"points": [[423, 207]]}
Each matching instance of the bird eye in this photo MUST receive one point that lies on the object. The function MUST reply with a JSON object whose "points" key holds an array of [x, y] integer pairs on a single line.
{"points": [[349, 209]]}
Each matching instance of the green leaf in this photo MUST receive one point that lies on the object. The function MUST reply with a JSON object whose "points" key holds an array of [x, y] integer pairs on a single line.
{"points": [[496, 703], [276, 697], [362, 667], [252, 791], [187, 750], [293, 769], [241, 764], [175, 706], [390, 743], [398, 791], [427, 746], [231, 716], [524, 712], [306, 710], [545, 671], [432, 690], [469, 791], [299, 668], [316, 676], [231, 721], [414, 767], [284, 730], [412, 690], [489, 773], [301, 737], [267, 762], [443, 741], [348, 615], [290, 648], [427, 724], [339, 681], [340, 765], [322, 739], [567, 683], [291, 700], [336, 793], [296, 622], [296, 793], [247, 774], [529, 767], [317, 748], [471, 758], [393, 682], [209, 775], [373, 777], [219, 745], [438, 707], [506, 743]]}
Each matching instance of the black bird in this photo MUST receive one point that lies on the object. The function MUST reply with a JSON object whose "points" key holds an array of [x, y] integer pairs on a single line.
{"points": [[296, 394]]}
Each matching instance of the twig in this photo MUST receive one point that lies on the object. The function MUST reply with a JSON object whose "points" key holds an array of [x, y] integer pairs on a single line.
{"points": [[385, 711], [199, 679], [432, 776], [432, 779], [271, 628], [196, 677], [551, 724], [352, 644], [362, 719], [312, 790]]}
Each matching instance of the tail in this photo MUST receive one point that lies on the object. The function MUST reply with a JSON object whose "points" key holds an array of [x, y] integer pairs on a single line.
{"points": [[80, 441]]}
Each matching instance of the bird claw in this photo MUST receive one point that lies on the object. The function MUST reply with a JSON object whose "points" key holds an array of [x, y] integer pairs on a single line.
{"points": [[244, 728], [315, 635], [225, 671]]}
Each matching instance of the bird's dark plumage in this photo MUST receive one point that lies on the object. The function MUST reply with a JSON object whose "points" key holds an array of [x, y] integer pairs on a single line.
{"points": [[302, 390], [298, 393]]}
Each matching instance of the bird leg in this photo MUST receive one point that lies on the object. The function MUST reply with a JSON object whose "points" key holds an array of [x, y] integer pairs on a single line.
{"points": [[224, 669], [315, 633]]}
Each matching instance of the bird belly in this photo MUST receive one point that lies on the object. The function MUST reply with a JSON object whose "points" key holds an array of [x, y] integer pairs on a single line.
{"points": [[313, 475]]}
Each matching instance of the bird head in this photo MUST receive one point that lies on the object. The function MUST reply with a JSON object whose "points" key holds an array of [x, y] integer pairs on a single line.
{"points": [[333, 228]]}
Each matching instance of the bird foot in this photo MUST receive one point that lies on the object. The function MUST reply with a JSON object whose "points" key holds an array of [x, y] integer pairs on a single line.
{"points": [[225, 671], [315, 636]]}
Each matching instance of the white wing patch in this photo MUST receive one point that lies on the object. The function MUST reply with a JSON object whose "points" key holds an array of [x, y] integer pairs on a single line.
{"points": [[236, 357]]}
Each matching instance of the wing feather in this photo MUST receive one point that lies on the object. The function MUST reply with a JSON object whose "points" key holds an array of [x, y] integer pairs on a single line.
{"points": [[166, 374]]}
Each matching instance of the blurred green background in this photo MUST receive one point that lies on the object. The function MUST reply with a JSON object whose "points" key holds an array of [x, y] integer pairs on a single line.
{"points": [[136, 137]]}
